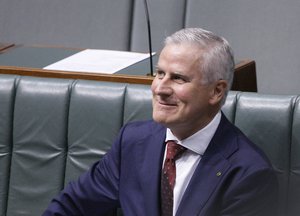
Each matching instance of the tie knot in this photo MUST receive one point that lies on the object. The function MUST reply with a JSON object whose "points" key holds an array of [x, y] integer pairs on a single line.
{"points": [[174, 150]]}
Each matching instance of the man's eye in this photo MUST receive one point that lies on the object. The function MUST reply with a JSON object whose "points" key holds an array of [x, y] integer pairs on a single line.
{"points": [[179, 79], [159, 74]]}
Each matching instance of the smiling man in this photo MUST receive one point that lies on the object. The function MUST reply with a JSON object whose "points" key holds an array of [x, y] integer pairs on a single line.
{"points": [[190, 160], [183, 100]]}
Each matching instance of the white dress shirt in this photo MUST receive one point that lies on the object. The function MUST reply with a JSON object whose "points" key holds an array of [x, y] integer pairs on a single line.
{"points": [[188, 161]]}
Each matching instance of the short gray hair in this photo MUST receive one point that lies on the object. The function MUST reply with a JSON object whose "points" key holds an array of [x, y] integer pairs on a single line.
{"points": [[217, 60]]}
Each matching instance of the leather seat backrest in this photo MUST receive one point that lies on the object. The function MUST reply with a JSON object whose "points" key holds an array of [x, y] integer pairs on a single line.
{"points": [[39, 137], [95, 118], [267, 121], [229, 107], [138, 103], [294, 180], [7, 94], [51, 130]]}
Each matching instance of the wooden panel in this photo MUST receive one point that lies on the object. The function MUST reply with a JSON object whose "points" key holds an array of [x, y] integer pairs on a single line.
{"points": [[75, 75], [245, 76]]}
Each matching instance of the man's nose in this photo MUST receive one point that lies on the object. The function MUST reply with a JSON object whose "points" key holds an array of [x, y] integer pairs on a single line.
{"points": [[164, 87]]}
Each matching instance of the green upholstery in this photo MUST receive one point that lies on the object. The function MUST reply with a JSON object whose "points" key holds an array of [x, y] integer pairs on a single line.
{"points": [[293, 205], [39, 144], [7, 92], [51, 130], [230, 104], [267, 121], [89, 111], [137, 104]]}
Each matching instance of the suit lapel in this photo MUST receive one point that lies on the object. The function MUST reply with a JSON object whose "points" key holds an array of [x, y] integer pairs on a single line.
{"points": [[209, 172], [205, 179], [151, 168]]}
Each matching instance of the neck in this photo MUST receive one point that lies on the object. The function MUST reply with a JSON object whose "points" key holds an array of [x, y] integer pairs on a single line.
{"points": [[183, 131]]}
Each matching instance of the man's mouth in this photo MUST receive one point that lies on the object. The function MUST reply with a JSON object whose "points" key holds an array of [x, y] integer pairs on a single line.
{"points": [[167, 103]]}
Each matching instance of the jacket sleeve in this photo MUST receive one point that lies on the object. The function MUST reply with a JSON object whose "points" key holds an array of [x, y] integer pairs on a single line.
{"points": [[95, 192]]}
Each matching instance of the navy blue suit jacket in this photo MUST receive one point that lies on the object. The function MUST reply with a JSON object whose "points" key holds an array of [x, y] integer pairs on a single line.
{"points": [[233, 178]]}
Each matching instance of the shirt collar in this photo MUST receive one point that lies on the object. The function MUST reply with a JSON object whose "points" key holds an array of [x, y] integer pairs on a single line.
{"points": [[199, 141]]}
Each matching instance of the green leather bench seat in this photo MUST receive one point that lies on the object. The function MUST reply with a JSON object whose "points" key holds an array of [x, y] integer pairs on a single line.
{"points": [[51, 130]]}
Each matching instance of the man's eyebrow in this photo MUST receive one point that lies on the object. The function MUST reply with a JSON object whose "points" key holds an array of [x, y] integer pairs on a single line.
{"points": [[179, 74], [158, 69]]}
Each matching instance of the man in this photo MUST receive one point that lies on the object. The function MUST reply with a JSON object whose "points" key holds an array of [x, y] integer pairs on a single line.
{"points": [[218, 171]]}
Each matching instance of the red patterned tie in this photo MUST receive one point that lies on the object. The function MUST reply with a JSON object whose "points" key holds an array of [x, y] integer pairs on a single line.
{"points": [[168, 177]]}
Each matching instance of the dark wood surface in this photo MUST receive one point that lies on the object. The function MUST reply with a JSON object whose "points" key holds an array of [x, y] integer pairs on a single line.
{"points": [[244, 76]]}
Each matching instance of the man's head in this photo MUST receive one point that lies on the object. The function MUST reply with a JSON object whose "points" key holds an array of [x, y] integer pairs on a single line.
{"points": [[194, 74]]}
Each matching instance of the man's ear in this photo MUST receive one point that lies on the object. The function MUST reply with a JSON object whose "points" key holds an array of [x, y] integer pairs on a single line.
{"points": [[218, 91]]}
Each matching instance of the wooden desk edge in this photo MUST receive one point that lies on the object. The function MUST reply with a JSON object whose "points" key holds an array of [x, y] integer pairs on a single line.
{"points": [[244, 70], [244, 63], [76, 75]]}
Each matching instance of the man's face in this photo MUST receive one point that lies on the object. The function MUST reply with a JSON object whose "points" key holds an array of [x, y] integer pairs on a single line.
{"points": [[180, 100]]}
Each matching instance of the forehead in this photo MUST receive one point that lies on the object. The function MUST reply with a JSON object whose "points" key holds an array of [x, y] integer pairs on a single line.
{"points": [[180, 57]]}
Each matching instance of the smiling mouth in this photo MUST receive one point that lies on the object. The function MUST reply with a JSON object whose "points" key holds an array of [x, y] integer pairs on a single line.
{"points": [[162, 103]]}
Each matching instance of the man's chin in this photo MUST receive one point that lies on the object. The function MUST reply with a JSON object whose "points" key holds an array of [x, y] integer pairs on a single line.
{"points": [[164, 120]]}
